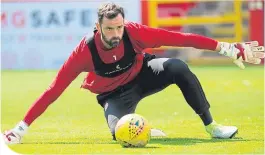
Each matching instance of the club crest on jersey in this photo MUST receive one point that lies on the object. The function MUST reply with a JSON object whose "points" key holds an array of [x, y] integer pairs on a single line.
{"points": [[118, 67]]}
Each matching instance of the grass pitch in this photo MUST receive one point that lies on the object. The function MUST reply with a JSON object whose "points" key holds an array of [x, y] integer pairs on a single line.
{"points": [[75, 124]]}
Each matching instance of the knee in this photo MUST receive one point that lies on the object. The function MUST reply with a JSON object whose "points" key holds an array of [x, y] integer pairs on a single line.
{"points": [[176, 67]]}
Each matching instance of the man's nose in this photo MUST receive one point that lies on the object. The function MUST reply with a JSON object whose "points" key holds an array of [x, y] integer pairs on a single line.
{"points": [[116, 33]]}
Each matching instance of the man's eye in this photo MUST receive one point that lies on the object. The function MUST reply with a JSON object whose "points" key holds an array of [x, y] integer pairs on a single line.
{"points": [[109, 29]]}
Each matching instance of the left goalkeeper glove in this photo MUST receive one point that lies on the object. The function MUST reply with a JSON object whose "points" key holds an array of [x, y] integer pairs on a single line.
{"points": [[248, 52]]}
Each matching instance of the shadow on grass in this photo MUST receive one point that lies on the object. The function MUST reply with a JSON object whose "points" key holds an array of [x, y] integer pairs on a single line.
{"points": [[192, 141], [72, 142], [146, 147], [162, 141], [86, 142]]}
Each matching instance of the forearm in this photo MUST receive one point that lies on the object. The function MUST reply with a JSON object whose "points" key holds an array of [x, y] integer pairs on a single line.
{"points": [[149, 37], [60, 83], [41, 104], [169, 38], [199, 41]]}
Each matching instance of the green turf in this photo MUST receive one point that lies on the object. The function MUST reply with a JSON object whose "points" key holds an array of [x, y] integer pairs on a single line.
{"points": [[74, 124]]}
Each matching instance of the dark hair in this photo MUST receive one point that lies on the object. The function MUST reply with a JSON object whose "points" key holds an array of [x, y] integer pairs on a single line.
{"points": [[110, 11]]}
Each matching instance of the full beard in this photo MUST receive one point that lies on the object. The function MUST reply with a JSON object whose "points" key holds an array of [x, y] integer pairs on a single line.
{"points": [[113, 42]]}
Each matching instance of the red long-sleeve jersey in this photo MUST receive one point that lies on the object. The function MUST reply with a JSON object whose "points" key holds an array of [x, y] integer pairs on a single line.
{"points": [[80, 60]]}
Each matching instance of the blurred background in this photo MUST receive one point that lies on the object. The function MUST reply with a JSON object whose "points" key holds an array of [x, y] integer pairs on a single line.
{"points": [[40, 34]]}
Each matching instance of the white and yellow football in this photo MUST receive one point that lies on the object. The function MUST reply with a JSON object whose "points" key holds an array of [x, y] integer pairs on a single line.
{"points": [[133, 130]]}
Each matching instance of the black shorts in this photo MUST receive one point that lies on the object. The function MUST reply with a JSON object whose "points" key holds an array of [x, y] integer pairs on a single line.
{"points": [[147, 82]]}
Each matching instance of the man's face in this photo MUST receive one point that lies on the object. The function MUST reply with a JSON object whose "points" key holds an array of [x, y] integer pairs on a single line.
{"points": [[112, 30]]}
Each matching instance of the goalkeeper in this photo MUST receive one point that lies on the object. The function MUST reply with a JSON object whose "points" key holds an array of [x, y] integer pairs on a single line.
{"points": [[122, 74]]}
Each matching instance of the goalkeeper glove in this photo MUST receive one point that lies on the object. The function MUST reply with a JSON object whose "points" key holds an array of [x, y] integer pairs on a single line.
{"points": [[249, 52], [11, 137], [15, 135]]}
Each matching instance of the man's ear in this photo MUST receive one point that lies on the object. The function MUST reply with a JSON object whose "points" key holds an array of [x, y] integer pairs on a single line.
{"points": [[98, 27]]}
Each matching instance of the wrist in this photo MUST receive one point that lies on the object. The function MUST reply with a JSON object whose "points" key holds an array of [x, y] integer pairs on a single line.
{"points": [[227, 49], [218, 47], [21, 128]]}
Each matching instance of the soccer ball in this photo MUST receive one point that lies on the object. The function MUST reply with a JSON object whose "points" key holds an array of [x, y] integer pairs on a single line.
{"points": [[133, 130]]}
